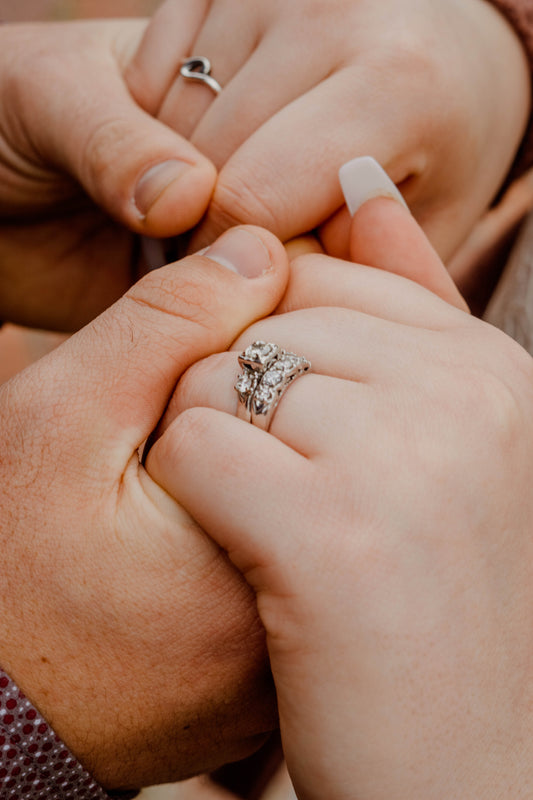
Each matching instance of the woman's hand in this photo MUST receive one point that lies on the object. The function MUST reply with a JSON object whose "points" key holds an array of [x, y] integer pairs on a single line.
{"points": [[122, 622], [384, 523], [82, 169], [308, 85]]}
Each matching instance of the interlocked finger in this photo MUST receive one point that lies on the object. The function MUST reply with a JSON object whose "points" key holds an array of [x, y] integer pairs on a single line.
{"points": [[302, 418], [315, 355]]}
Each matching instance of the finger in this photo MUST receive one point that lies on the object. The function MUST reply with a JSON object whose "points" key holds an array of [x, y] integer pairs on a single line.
{"points": [[302, 245], [274, 75], [346, 325], [288, 179], [141, 172], [167, 40], [125, 365], [311, 397], [228, 510], [342, 344], [385, 235], [317, 280], [186, 101]]}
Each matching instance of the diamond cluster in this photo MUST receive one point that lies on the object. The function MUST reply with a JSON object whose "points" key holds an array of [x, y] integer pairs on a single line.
{"points": [[267, 371]]}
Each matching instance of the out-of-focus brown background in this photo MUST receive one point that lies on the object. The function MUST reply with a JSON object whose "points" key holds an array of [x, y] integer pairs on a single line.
{"points": [[18, 348], [28, 10]]}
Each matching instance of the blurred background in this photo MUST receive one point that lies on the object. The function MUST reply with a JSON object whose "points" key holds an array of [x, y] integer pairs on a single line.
{"points": [[28, 10]]}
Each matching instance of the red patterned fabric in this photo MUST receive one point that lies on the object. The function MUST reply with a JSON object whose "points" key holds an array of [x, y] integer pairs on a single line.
{"points": [[34, 763]]}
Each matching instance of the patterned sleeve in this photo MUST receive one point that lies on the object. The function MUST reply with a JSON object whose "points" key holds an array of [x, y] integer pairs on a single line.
{"points": [[34, 763], [520, 15]]}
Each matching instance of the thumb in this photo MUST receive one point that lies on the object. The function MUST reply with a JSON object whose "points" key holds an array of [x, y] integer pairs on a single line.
{"points": [[384, 234], [136, 168], [113, 378]]}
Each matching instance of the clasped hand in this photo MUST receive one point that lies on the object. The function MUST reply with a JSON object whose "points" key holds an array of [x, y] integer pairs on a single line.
{"points": [[395, 477], [384, 523], [85, 164]]}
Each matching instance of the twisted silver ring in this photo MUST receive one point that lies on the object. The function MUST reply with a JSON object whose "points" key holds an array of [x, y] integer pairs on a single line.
{"points": [[198, 68], [268, 371]]}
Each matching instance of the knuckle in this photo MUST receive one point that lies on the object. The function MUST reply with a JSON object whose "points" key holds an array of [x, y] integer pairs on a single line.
{"points": [[198, 379], [237, 201], [483, 424], [194, 301], [100, 149], [498, 413], [500, 394], [186, 433]]}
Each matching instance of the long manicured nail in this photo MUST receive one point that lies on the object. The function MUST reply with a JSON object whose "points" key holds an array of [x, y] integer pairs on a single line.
{"points": [[154, 182], [362, 179], [241, 251]]}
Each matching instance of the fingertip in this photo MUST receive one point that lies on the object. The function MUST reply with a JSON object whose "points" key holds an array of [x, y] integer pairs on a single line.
{"points": [[172, 196], [142, 173], [249, 250], [385, 235], [363, 178]]}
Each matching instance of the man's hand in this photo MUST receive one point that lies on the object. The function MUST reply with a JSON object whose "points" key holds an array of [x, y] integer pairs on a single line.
{"points": [[122, 622], [82, 169]]}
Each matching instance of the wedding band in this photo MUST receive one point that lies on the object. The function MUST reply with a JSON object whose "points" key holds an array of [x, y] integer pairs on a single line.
{"points": [[198, 68], [268, 371]]}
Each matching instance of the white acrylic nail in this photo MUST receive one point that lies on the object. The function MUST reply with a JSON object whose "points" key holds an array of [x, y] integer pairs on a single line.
{"points": [[362, 179]]}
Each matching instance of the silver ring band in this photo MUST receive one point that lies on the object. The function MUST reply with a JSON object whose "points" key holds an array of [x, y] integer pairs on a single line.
{"points": [[268, 371], [198, 68]]}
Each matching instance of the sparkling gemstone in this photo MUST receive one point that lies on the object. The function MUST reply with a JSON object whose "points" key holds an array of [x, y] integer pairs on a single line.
{"points": [[272, 378], [259, 349], [288, 363], [263, 395], [244, 383], [259, 353]]}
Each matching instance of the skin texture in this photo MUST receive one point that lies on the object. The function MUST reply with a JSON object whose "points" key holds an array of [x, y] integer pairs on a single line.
{"points": [[97, 613], [388, 541], [426, 96], [70, 165], [126, 626], [309, 85]]}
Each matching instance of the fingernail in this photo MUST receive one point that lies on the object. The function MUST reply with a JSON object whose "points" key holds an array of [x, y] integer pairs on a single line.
{"points": [[242, 252], [154, 182], [362, 179]]}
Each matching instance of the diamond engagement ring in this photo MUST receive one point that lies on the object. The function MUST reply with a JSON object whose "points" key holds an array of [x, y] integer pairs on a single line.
{"points": [[268, 371], [198, 68]]}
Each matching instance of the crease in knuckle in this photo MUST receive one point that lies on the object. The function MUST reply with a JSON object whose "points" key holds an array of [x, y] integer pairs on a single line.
{"points": [[495, 411], [237, 201], [184, 435], [100, 148], [195, 304]]}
